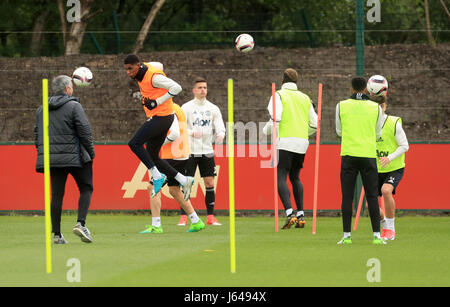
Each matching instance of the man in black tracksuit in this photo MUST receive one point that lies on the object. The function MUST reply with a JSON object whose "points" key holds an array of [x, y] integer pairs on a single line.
{"points": [[71, 152]]}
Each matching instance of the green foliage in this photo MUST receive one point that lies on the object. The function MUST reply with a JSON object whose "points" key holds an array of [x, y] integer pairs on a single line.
{"points": [[271, 23]]}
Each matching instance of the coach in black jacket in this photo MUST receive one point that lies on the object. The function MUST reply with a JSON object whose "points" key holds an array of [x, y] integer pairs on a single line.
{"points": [[71, 152]]}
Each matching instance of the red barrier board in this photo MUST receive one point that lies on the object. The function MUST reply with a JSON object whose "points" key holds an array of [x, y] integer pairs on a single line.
{"points": [[120, 181]]}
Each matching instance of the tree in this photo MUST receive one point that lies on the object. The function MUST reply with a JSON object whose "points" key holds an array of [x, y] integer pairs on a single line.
{"points": [[427, 18], [146, 26], [76, 34], [38, 27]]}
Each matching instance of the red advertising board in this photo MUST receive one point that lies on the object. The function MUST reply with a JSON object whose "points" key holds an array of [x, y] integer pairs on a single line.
{"points": [[120, 181]]}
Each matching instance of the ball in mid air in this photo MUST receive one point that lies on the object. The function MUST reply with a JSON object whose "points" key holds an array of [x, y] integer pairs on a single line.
{"points": [[82, 76], [244, 43]]}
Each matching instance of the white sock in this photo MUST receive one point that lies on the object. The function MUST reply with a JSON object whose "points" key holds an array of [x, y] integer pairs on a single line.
{"points": [[194, 218], [377, 234], [390, 224], [181, 179], [383, 223], [156, 221], [346, 234], [289, 212], [155, 173], [299, 213]]}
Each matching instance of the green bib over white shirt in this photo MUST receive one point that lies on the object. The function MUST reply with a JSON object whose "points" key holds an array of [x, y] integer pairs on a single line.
{"points": [[358, 124], [295, 117], [388, 144]]}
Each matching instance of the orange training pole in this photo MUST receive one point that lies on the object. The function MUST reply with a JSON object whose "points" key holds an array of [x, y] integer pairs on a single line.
{"points": [[275, 159], [358, 212], [316, 166]]}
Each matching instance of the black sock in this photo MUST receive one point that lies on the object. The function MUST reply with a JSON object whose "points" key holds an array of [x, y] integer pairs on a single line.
{"points": [[81, 222], [210, 197], [57, 234]]}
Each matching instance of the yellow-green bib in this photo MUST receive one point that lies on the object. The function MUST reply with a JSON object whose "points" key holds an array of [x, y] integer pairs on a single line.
{"points": [[358, 124], [295, 116], [388, 144]]}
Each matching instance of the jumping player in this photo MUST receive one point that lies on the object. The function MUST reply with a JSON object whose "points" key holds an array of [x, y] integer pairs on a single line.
{"points": [[157, 91]]}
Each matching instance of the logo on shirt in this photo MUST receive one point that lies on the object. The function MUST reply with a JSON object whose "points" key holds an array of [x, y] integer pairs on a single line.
{"points": [[201, 122], [381, 153]]}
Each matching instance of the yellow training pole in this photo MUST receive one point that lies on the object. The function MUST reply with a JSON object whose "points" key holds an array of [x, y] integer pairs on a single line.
{"points": [[48, 240], [231, 174]]}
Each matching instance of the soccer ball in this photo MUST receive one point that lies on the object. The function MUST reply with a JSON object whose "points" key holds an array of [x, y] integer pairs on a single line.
{"points": [[244, 43], [377, 85], [82, 76]]}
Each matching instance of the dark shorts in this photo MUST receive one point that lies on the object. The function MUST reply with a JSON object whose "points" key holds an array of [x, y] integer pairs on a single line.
{"points": [[180, 166], [289, 160], [205, 163], [392, 178]]}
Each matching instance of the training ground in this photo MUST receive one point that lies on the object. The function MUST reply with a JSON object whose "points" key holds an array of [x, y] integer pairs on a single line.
{"points": [[120, 256]]}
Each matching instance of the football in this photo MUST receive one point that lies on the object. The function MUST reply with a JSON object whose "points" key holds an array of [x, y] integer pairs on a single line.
{"points": [[244, 43], [82, 76], [377, 85]]}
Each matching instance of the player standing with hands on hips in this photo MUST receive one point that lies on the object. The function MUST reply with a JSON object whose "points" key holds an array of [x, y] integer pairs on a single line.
{"points": [[296, 120], [202, 118], [157, 91], [359, 122]]}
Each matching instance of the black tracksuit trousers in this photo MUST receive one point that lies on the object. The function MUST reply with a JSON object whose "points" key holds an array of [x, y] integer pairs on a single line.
{"points": [[367, 167]]}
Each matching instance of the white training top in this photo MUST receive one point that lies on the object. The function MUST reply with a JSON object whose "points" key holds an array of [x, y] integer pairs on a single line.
{"points": [[203, 116], [292, 144]]}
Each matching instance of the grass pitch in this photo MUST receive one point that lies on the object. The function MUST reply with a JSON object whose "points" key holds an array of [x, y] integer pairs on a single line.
{"points": [[120, 256]]}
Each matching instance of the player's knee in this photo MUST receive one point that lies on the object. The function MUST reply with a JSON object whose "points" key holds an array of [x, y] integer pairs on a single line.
{"points": [[386, 190], [173, 190]]}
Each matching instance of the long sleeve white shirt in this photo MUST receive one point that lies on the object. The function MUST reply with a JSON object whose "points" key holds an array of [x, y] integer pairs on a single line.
{"points": [[292, 144], [205, 117], [162, 81]]}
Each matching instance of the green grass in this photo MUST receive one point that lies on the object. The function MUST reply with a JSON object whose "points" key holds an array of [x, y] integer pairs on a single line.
{"points": [[121, 257]]}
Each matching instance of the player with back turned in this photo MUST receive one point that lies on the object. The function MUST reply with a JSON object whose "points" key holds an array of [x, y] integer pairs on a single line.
{"points": [[359, 122], [296, 120]]}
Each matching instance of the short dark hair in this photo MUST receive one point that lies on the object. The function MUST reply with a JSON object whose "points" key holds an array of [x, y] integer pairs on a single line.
{"points": [[290, 75], [131, 59], [199, 80], [359, 84]]}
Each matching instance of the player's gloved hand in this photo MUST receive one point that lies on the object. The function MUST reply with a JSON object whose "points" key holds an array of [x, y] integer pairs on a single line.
{"points": [[150, 103]]}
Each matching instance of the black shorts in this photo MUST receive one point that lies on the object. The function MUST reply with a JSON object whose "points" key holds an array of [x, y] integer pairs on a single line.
{"points": [[289, 160], [205, 163], [180, 166], [392, 178]]}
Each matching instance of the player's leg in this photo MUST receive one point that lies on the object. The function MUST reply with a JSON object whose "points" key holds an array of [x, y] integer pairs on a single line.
{"points": [[369, 176], [155, 208], [190, 168], [58, 177], [83, 178], [283, 168], [297, 188], [349, 172], [388, 191], [207, 168], [154, 128], [196, 223]]}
